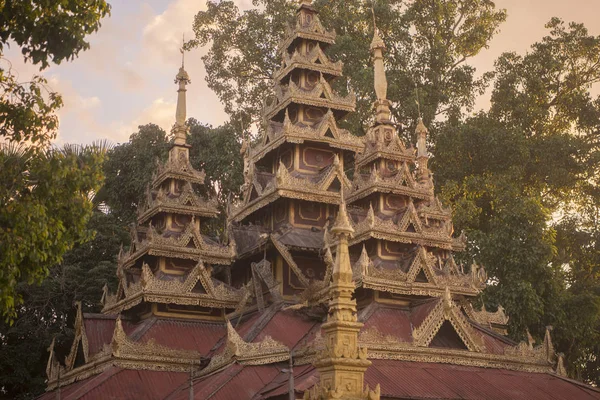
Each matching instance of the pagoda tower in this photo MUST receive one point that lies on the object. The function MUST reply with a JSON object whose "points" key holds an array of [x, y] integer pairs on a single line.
{"points": [[171, 266], [294, 175], [403, 235]]}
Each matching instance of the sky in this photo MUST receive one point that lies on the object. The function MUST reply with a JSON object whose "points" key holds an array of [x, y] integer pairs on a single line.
{"points": [[126, 78]]}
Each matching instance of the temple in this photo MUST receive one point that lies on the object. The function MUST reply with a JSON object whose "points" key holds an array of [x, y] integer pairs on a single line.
{"points": [[337, 279]]}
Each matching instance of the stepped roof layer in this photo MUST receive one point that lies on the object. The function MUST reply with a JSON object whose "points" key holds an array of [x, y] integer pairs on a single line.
{"points": [[500, 369]]}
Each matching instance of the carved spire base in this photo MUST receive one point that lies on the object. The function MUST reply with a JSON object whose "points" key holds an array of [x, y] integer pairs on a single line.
{"points": [[383, 115]]}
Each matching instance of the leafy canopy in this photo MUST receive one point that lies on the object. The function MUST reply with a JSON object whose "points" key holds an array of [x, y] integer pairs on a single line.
{"points": [[242, 52]]}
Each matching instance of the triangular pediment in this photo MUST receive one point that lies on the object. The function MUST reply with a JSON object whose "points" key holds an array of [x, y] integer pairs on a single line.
{"points": [[335, 186], [404, 177], [447, 338], [410, 220], [421, 269]]}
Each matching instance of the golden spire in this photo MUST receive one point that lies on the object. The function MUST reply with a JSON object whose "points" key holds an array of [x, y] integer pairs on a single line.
{"points": [[377, 48], [343, 363], [182, 79]]}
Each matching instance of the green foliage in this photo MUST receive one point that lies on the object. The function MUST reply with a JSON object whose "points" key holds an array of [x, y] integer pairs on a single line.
{"points": [[522, 181], [217, 152], [46, 32], [129, 170], [48, 309], [45, 204], [242, 52]]}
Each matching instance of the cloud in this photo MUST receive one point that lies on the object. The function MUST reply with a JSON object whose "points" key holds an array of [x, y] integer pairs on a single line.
{"points": [[160, 112]]}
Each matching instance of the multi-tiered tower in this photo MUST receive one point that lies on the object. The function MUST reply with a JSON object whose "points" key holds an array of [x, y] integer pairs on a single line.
{"points": [[403, 234], [171, 266], [294, 176]]}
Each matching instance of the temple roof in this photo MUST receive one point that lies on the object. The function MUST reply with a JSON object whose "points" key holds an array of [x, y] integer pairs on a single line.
{"points": [[500, 369]]}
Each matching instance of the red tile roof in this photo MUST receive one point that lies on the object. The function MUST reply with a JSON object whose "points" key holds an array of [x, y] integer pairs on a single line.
{"points": [[286, 327], [414, 380], [184, 335], [235, 382], [391, 321], [122, 384]]}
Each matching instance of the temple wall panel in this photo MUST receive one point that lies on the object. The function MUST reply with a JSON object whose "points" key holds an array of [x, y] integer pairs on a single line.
{"points": [[309, 214], [391, 203], [313, 158]]}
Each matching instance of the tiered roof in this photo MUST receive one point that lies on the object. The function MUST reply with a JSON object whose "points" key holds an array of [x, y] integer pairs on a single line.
{"points": [[304, 109]]}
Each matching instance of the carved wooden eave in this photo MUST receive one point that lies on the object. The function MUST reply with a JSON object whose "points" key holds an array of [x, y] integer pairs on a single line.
{"points": [[125, 353], [402, 183], [154, 290], [285, 185], [393, 149], [313, 31], [179, 168], [387, 347], [186, 203], [156, 244], [287, 256], [385, 229], [396, 281], [278, 133], [267, 351], [316, 60], [484, 317], [80, 342], [322, 95]]}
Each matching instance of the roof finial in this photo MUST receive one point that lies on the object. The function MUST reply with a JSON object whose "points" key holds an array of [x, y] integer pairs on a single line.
{"points": [[182, 79], [377, 48], [182, 50], [418, 99]]}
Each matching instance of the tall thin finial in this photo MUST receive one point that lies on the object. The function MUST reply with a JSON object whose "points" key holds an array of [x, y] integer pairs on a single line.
{"points": [[182, 79], [383, 113], [373, 13], [183, 52], [418, 100]]}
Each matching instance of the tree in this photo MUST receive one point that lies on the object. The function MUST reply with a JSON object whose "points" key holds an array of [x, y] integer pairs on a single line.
{"points": [[522, 178], [44, 208], [46, 32], [242, 52], [44, 192], [48, 309]]}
